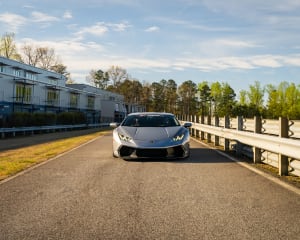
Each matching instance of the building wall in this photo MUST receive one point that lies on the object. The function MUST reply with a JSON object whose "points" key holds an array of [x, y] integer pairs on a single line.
{"points": [[18, 81]]}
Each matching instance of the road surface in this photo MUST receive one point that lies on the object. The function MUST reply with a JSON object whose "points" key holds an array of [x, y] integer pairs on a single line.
{"points": [[88, 194]]}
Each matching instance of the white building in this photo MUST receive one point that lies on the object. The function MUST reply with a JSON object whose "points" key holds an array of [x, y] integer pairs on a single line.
{"points": [[24, 88]]}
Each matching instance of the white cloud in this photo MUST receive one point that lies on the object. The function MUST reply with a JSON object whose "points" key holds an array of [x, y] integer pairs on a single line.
{"points": [[292, 60], [235, 43], [42, 17], [222, 47], [267, 61], [100, 28], [28, 6], [67, 48], [67, 15], [191, 25], [119, 27], [152, 29], [12, 21]]}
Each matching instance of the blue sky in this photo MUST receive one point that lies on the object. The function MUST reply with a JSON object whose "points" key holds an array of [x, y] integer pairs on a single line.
{"points": [[238, 42]]}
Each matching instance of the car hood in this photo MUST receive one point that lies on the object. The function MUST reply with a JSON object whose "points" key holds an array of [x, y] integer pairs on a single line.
{"points": [[153, 133]]}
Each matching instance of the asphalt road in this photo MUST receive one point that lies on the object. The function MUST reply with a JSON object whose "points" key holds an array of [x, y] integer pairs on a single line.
{"points": [[87, 194]]}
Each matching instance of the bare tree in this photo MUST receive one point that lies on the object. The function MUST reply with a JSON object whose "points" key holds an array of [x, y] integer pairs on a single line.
{"points": [[47, 57], [117, 75], [8, 47], [29, 55], [43, 57]]}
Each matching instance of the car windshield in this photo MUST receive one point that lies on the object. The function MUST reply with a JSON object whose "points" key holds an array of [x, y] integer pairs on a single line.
{"points": [[154, 120]]}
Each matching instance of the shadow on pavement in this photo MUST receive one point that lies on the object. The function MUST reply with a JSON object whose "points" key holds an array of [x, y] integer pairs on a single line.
{"points": [[197, 155]]}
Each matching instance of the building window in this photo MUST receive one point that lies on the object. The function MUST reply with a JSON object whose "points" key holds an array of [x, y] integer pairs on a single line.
{"points": [[2, 69], [74, 98], [23, 93], [91, 102], [52, 97], [117, 107], [17, 72], [31, 76]]}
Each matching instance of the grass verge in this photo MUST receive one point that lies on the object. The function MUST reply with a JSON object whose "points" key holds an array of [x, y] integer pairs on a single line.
{"points": [[14, 161]]}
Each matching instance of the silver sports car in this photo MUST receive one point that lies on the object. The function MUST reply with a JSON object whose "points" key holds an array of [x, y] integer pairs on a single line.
{"points": [[151, 135]]}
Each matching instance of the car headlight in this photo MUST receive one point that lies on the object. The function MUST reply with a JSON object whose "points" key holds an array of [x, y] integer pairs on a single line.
{"points": [[124, 137], [178, 137]]}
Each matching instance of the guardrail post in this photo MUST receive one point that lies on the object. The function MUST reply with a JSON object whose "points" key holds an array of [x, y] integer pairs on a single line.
{"points": [[257, 129], [283, 161], [239, 146], [226, 141], [193, 120], [202, 122], [217, 138], [208, 134], [197, 131]]}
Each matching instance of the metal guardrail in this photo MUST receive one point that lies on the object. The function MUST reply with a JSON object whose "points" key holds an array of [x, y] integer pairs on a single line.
{"points": [[256, 138], [42, 129]]}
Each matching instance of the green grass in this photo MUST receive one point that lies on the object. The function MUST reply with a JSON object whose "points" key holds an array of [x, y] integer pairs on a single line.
{"points": [[14, 161]]}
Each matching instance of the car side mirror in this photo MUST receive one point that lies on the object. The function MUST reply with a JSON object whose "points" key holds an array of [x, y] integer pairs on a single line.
{"points": [[187, 124], [114, 125]]}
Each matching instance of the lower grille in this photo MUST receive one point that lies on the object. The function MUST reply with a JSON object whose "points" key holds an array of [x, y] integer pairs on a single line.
{"points": [[126, 151], [151, 153], [172, 152]]}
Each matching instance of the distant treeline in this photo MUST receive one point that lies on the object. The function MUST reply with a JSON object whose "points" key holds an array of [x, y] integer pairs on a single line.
{"points": [[218, 98]]}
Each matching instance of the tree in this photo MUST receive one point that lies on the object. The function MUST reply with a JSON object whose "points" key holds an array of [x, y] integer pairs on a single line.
{"points": [[256, 97], [216, 95], [60, 68], [223, 98], [243, 98], [227, 102], [187, 92], [284, 101], [8, 47], [98, 78], [146, 97], [273, 107], [30, 55], [158, 102], [47, 57], [42, 57], [171, 96], [131, 90], [205, 98], [117, 75], [292, 102]]}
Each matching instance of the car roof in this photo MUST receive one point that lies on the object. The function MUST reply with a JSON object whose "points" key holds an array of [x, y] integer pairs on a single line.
{"points": [[151, 113]]}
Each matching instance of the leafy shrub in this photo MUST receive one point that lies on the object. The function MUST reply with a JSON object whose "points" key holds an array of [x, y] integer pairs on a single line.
{"points": [[26, 119], [71, 118]]}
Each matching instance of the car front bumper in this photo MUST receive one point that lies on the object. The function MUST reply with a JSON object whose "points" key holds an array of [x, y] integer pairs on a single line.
{"points": [[172, 152]]}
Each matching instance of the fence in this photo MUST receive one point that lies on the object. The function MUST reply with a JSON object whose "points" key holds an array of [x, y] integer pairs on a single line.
{"points": [[5, 132], [274, 142]]}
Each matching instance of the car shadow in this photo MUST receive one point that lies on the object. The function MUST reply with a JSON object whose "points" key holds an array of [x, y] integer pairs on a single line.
{"points": [[197, 155]]}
